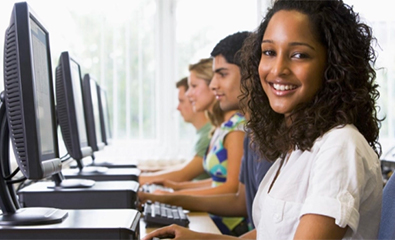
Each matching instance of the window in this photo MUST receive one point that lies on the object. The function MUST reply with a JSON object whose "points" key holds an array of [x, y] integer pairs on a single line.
{"points": [[138, 50], [200, 25]]}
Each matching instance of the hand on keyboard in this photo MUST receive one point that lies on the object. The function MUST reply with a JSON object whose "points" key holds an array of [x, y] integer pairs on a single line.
{"points": [[151, 188], [173, 232], [175, 185], [160, 214]]}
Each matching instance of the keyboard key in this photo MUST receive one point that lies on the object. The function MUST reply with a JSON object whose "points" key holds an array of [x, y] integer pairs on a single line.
{"points": [[158, 214]]}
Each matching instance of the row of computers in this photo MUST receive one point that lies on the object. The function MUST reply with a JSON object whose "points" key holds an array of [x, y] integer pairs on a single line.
{"points": [[85, 202]]}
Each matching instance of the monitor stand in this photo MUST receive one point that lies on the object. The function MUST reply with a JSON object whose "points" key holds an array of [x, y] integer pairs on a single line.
{"points": [[112, 174], [33, 216], [83, 224], [60, 182], [95, 169], [109, 164], [103, 161], [74, 183]]}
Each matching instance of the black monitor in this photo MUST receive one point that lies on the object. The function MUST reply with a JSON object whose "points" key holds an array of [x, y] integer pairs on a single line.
{"points": [[70, 107], [104, 116], [71, 116], [27, 116], [92, 113]]}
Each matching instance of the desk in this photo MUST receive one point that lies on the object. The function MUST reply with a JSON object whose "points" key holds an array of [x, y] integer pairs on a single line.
{"points": [[199, 222]]}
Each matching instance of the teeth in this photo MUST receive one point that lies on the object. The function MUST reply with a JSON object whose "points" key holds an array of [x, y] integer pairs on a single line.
{"points": [[281, 87]]}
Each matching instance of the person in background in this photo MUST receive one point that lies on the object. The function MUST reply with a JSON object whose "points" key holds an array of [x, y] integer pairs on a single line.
{"points": [[312, 106], [202, 100], [223, 159], [192, 169]]}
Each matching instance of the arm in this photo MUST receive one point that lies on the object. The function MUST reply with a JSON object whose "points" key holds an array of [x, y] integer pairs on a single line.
{"points": [[313, 226], [189, 171], [178, 232], [228, 205], [249, 235], [233, 143], [205, 183]]}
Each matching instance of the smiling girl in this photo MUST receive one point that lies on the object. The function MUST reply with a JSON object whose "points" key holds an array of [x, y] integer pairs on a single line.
{"points": [[312, 100]]}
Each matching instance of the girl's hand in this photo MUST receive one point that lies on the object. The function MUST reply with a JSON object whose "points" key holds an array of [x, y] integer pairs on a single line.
{"points": [[171, 184], [173, 231]]}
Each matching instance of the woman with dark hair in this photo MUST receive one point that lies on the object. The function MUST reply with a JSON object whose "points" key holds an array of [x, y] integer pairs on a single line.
{"points": [[309, 79], [308, 86]]}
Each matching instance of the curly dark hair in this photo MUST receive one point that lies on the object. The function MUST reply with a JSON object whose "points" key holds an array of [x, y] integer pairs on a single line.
{"points": [[348, 94], [230, 46]]}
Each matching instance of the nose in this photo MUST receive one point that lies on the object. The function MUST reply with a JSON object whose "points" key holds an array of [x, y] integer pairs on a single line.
{"points": [[178, 107], [187, 93], [280, 66], [213, 83]]}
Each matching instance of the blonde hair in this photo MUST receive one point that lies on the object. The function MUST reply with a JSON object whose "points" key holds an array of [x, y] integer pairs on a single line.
{"points": [[204, 70]]}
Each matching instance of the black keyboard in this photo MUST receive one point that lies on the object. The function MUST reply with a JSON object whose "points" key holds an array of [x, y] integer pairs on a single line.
{"points": [[160, 214], [150, 188]]}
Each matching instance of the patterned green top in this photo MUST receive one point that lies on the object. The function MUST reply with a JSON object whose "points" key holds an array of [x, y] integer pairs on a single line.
{"points": [[216, 164]]}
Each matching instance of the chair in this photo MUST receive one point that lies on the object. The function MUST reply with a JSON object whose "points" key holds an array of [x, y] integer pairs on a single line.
{"points": [[387, 222]]}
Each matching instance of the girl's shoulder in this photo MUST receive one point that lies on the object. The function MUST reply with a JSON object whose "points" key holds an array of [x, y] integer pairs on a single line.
{"points": [[347, 136], [236, 122], [343, 133]]}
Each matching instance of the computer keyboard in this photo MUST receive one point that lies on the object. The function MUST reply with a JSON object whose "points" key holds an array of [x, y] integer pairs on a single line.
{"points": [[160, 214], [150, 188]]}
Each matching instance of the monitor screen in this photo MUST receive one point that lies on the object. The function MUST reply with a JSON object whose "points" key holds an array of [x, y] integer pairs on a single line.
{"points": [[78, 103], [92, 113], [104, 116], [41, 78], [96, 112], [70, 107]]}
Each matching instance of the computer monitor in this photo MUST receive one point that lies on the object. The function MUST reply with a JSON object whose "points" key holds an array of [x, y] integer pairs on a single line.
{"points": [[71, 116], [92, 112], [104, 115], [28, 107], [70, 107]]}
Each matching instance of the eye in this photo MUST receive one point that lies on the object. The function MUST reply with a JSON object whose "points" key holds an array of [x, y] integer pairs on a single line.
{"points": [[268, 52], [300, 55]]}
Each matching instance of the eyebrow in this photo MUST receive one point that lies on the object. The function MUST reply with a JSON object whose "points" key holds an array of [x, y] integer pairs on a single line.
{"points": [[219, 70], [292, 44]]}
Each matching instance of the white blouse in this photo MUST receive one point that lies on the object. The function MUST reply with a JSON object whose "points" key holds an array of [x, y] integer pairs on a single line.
{"points": [[340, 177]]}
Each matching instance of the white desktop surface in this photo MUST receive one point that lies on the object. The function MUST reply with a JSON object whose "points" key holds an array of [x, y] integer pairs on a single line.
{"points": [[199, 222]]}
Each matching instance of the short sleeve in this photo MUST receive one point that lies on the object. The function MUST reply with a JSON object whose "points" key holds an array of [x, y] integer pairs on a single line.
{"points": [[201, 146], [338, 176], [202, 142]]}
